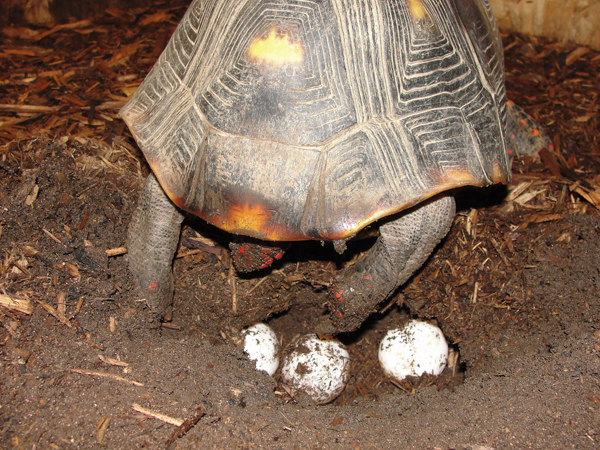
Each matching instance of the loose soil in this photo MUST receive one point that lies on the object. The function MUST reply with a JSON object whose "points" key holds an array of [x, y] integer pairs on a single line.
{"points": [[515, 287]]}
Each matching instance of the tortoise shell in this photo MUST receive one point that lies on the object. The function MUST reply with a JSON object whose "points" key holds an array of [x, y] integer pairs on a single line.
{"points": [[298, 119]]}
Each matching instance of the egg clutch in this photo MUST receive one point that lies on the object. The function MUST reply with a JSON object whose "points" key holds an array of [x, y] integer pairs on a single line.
{"points": [[320, 367]]}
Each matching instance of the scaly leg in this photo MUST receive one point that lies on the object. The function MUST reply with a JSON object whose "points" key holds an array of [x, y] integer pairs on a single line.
{"points": [[151, 243], [402, 247]]}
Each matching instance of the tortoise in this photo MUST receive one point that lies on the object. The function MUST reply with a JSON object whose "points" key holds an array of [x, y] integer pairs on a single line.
{"points": [[291, 120]]}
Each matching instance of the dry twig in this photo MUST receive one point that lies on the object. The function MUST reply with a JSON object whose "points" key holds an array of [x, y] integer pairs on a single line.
{"points": [[106, 375], [158, 416], [184, 427]]}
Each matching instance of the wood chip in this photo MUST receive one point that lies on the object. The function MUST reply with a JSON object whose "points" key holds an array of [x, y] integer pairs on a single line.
{"points": [[61, 306], [591, 196], [116, 251], [101, 429], [16, 304], [550, 161], [33, 196]]}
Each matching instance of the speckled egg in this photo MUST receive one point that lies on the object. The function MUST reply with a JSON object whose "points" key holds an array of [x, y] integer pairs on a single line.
{"points": [[417, 348], [318, 367]]}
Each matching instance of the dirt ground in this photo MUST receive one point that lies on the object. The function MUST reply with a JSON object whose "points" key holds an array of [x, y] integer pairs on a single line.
{"points": [[515, 287]]}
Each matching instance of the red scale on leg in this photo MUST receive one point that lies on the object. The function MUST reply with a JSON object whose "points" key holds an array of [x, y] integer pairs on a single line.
{"points": [[249, 256]]}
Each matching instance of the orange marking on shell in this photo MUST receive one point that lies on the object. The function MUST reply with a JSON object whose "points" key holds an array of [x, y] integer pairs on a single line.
{"points": [[523, 122], [535, 132], [251, 218]]}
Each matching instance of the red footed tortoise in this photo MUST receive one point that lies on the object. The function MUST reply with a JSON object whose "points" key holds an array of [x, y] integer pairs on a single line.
{"points": [[290, 120]]}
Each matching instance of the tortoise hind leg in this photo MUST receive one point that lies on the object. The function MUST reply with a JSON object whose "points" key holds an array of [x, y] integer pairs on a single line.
{"points": [[152, 240], [402, 247]]}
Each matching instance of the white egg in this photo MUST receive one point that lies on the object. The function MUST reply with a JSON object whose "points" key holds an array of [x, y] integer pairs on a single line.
{"points": [[416, 349], [261, 345], [319, 367]]}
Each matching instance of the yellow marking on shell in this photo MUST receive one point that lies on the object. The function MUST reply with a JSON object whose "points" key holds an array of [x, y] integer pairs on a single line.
{"points": [[417, 10], [276, 49]]}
